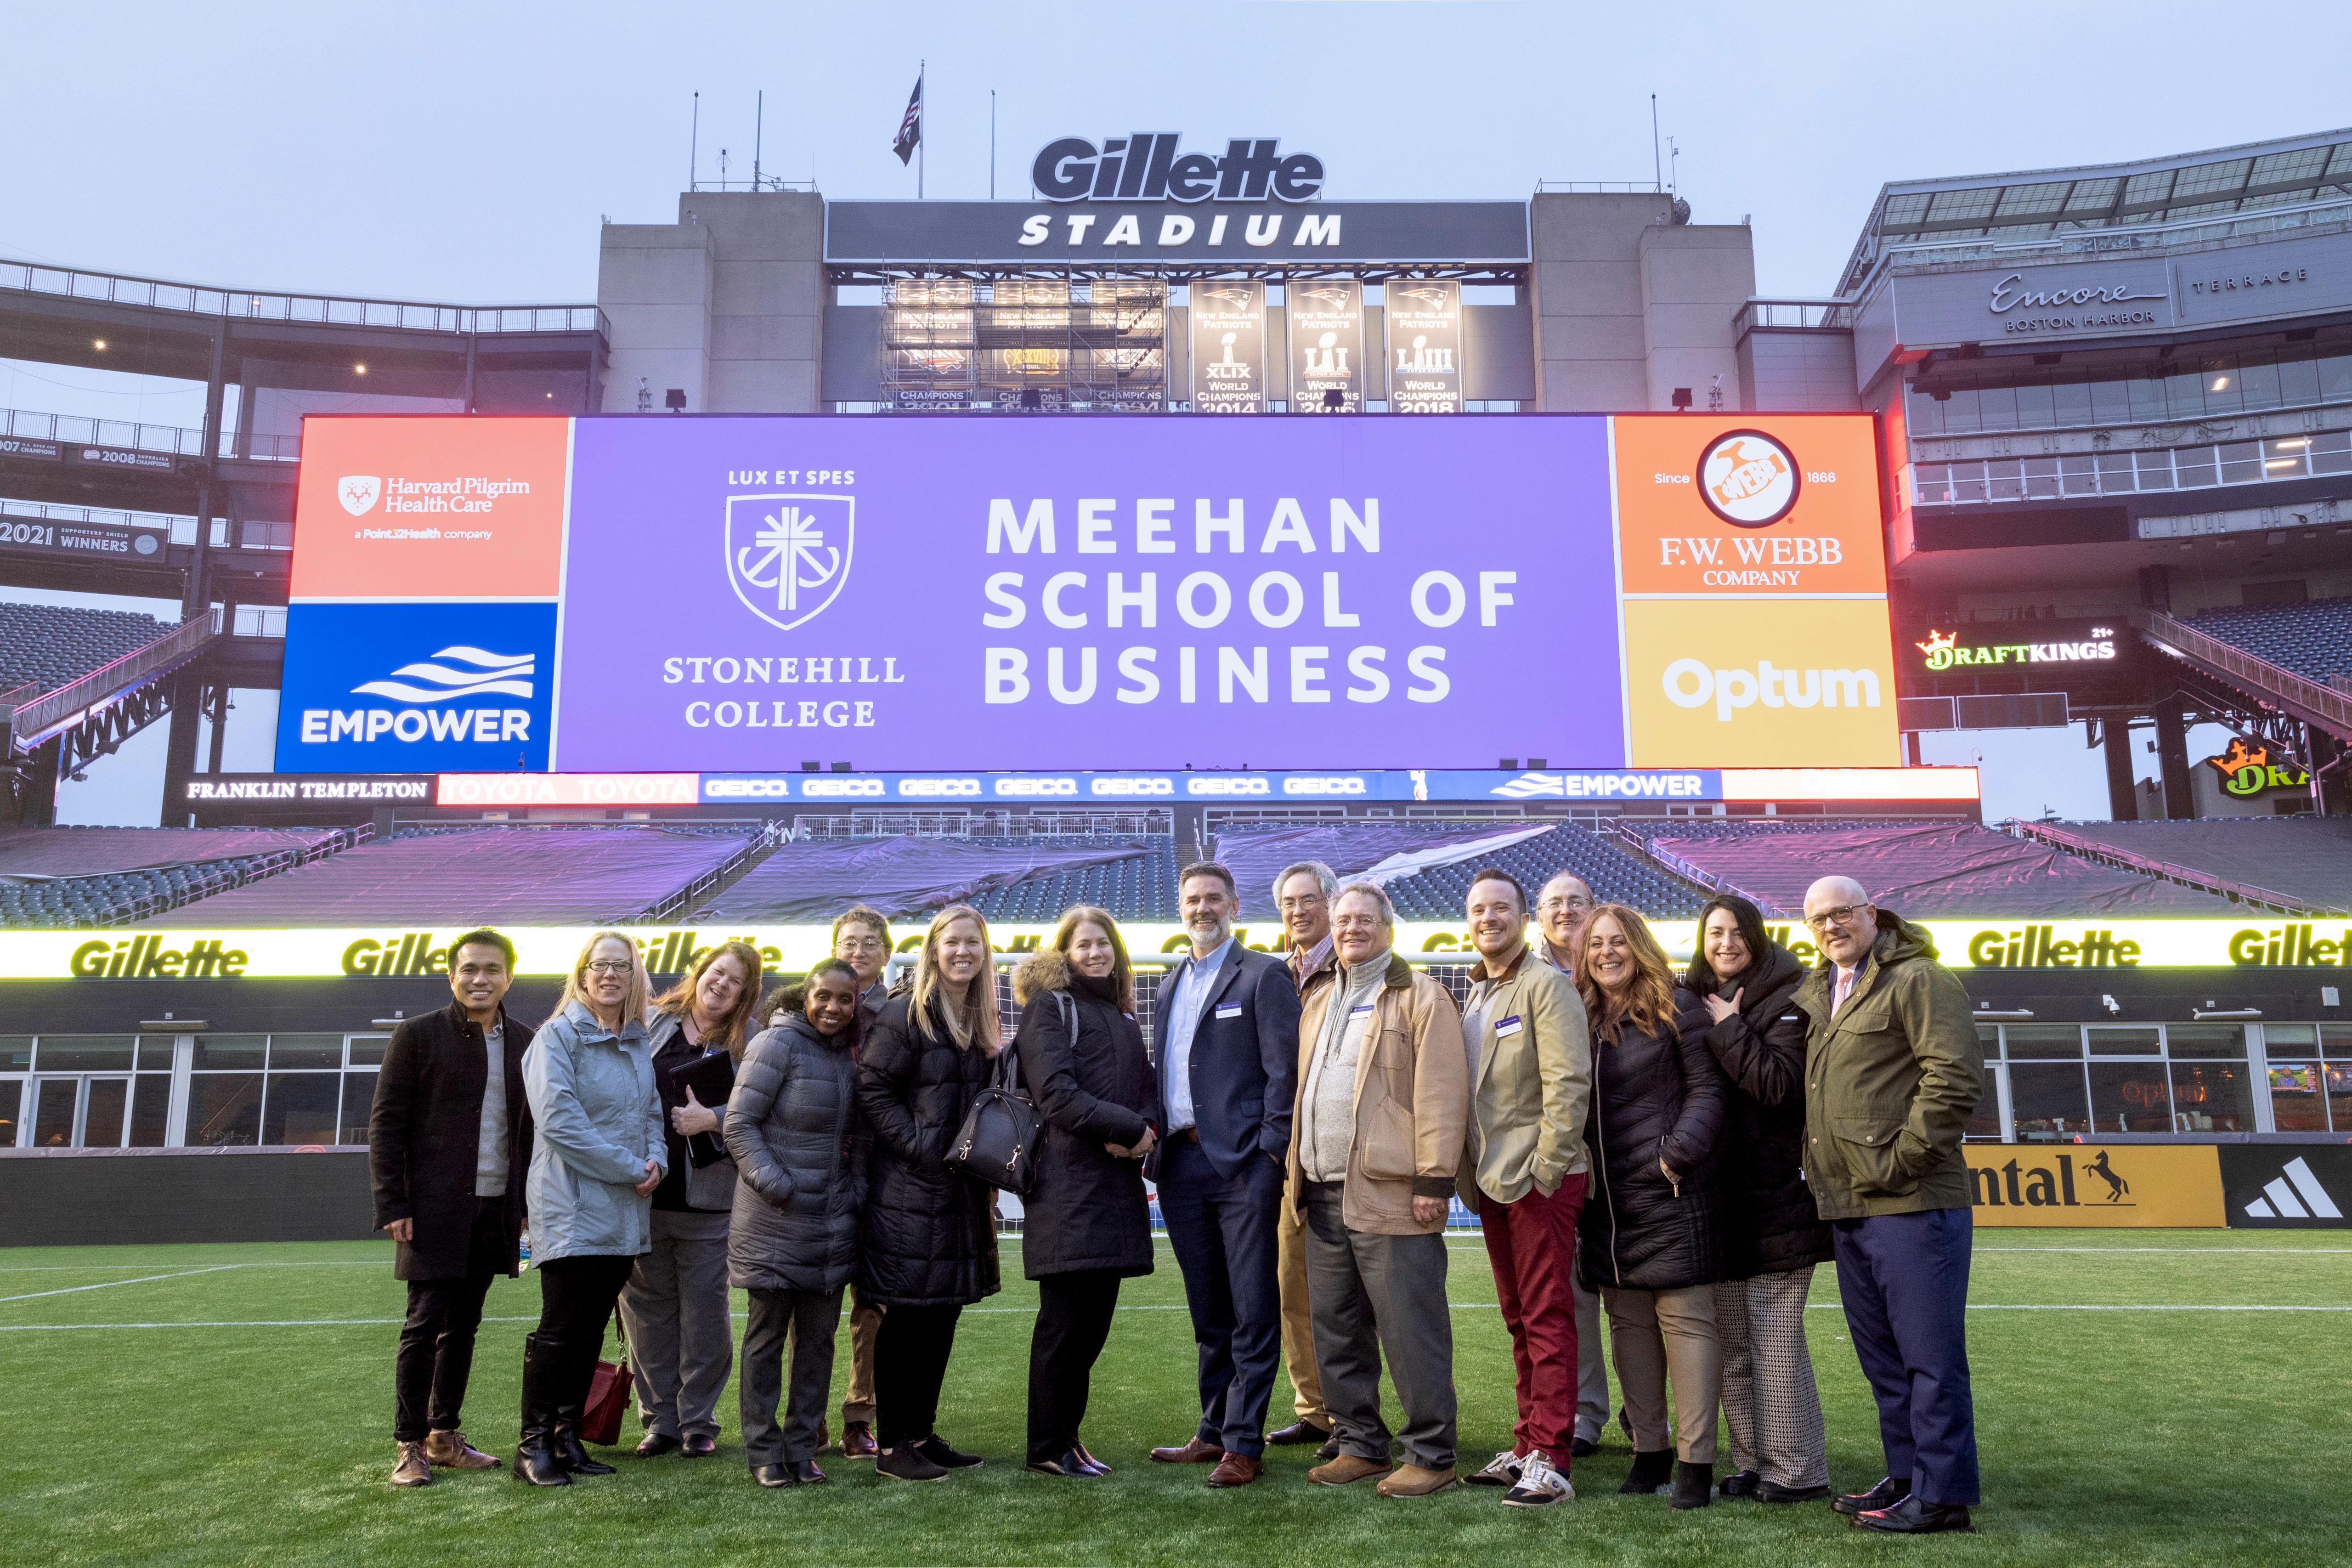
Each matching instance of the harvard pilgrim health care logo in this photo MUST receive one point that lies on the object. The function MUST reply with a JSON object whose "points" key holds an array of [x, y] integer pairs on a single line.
{"points": [[788, 555], [359, 493], [1747, 478]]}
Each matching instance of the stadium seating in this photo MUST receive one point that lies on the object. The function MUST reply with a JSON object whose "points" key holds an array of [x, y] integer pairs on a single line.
{"points": [[46, 645], [104, 875], [1923, 869], [1023, 879], [549, 876], [2307, 858], [2313, 639], [1257, 852]]}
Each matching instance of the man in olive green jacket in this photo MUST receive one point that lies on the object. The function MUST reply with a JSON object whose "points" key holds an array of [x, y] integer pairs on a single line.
{"points": [[1892, 1072]]}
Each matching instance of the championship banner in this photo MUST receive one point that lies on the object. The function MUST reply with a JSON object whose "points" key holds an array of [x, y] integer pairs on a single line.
{"points": [[1228, 319], [1325, 322], [2094, 1185], [1423, 319]]}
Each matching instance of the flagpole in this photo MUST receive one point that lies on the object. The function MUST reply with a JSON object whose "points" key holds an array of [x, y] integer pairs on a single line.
{"points": [[922, 142]]}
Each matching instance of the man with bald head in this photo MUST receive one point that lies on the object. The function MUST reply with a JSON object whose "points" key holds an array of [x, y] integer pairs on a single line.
{"points": [[1892, 1072], [1562, 910]]}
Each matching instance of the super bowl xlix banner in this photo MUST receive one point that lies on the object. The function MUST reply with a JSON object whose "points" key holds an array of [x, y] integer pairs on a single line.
{"points": [[1228, 329]]}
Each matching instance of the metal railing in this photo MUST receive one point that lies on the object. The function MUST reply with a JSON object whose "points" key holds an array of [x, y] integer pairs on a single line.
{"points": [[2321, 704], [320, 310], [1923, 254], [1600, 188], [1810, 315], [32, 723], [2164, 870], [689, 898], [78, 430]]}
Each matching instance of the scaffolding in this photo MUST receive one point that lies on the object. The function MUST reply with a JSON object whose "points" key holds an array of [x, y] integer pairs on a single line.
{"points": [[1024, 344]]}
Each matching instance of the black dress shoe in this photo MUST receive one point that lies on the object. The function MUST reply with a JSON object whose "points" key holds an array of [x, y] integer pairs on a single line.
{"points": [[1767, 1492], [657, 1443], [1328, 1451], [1583, 1447], [806, 1472], [700, 1445], [775, 1476], [1070, 1462], [1299, 1434], [1740, 1483], [936, 1450], [1915, 1516], [1885, 1494]]}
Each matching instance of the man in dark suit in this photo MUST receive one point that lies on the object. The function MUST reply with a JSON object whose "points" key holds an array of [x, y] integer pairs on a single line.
{"points": [[1227, 1031], [448, 1147]]}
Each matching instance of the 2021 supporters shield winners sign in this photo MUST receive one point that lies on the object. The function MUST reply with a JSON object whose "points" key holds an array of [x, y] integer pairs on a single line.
{"points": [[728, 594]]}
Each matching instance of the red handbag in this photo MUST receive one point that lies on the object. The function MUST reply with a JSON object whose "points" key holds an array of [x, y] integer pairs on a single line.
{"points": [[608, 1400]]}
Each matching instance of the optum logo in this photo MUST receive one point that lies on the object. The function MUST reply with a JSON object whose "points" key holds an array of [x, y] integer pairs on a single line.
{"points": [[1690, 684]]}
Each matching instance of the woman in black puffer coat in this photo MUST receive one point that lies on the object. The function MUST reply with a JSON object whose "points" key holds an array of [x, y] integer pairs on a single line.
{"points": [[792, 1242], [1774, 1235], [929, 1237], [1651, 1238], [1086, 1225]]}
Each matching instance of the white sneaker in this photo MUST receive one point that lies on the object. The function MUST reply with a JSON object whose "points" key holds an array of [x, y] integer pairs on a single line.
{"points": [[1502, 1472], [1539, 1485]]}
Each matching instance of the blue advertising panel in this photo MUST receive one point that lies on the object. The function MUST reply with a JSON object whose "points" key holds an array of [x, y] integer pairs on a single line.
{"points": [[1113, 789], [408, 687]]}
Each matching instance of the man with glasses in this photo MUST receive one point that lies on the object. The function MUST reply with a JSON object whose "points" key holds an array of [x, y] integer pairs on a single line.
{"points": [[1893, 1073], [1562, 911], [861, 939], [1302, 896]]}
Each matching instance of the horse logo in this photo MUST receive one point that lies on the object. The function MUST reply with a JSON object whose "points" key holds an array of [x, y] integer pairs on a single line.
{"points": [[2117, 1185], [788, 555]]}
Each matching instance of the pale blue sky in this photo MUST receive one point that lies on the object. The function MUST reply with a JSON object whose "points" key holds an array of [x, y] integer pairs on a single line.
{"points": [[467, 153]]}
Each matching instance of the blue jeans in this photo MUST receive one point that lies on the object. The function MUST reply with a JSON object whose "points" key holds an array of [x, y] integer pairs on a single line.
{"points": [[1905, 1281]]}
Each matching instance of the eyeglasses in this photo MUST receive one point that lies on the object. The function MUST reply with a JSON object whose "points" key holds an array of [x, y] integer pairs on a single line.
{"points": [[612, 966], [1306, 901], [1836, 917], [1570, 906]]}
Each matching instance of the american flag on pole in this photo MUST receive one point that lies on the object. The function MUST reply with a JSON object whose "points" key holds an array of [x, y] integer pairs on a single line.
{"points": [[911, 129]]}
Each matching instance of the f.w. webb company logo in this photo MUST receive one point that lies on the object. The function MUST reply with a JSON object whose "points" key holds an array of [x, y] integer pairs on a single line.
{"points": [[788, 555], [1749, 479]]}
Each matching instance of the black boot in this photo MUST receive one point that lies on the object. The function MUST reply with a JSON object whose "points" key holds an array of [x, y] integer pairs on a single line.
{"points": [[1694, 1485], [535, 1460], [1651, 1473], [568, 1449]]}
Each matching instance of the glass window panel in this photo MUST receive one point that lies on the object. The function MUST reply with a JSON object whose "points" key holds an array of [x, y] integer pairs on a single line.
{"points": [[2042, 478], [53, 1111], [1988, 1042], [1997, 407], [306, 1051], [2193, 467], [155, 1052], [85, 1053], [2212, 1097], [2297, 1104], [150, 1110], [2074, 402], [1923, 413], [12, 1105], [2298, 379], [2335, 378], [2331, 452], [1968, 482], [2336, 1042], [2155, 471], [368, 1049], [102, 1118], [301, 1107], [2241, 462], [2338, 1083], [2078, 476], [2184, 395], [1932, 484], [2035, 408], [2005, 480], [2129, 1097], [359, 1097], [2044, 1040], [2047, 1097], [1960, 414], [2147, 395], [1984, 1121], [224, 1052], [2115, 474], [2108, 1041], [224, 1108], [2290, 1039], [2259, 379], [2223, 394], [2287, 457], [2218, 1042], [16, 1052]]}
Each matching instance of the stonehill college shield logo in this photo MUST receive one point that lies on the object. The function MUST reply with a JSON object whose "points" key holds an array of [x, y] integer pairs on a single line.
{"points": [[788, 556]]}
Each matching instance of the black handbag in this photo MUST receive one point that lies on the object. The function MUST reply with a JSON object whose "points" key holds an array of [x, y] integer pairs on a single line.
{"points": [[998, 1142]]}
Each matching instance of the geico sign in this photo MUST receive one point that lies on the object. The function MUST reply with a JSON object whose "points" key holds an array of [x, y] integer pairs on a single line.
{"points": [[1690, 684]]}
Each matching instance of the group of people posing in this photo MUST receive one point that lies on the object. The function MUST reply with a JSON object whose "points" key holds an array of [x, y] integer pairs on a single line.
{"points": [[1679, 1151]]}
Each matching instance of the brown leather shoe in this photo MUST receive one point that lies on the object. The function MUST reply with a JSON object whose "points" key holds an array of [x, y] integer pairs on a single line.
{"points": [[1346, 1469], [452, 1452], [1413, 1480], [1192, 1452], [857, 1440], [1235, 1470], [413, 1469]]}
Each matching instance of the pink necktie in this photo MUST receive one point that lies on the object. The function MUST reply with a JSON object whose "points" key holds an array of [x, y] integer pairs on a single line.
{"points": [[1845, 989]]}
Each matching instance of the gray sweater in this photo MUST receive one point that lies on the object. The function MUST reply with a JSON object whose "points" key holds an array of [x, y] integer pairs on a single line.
{"points": [[1328, 1104]]}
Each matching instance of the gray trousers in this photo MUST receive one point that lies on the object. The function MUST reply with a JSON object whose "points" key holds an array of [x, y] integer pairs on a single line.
{"points": [[1771, 1405], [810, 1321], [1372, 1294], [1591, 1365], [681, 1341]]}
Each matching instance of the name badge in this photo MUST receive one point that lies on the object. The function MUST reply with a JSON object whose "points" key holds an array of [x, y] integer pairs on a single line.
{"points": [[1360, 1012], [1503, 1026], [1230, 1010]]}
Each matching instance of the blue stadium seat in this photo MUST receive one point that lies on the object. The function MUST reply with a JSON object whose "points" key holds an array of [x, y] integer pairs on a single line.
{"points": [[2313, 639]]}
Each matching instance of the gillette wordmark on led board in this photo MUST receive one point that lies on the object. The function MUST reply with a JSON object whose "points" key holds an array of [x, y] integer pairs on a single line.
{"points": [[744, 593]]}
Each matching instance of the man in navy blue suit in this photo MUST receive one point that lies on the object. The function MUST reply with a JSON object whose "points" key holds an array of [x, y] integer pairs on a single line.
{"points": [[1228, 1063]]}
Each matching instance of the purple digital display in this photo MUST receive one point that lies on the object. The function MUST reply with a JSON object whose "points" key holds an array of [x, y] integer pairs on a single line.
{"points": [[745, 594]]}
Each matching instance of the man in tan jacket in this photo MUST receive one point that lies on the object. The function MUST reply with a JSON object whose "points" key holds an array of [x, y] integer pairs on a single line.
{"points": [[1302, 896], [1530, 1065], [1383, 1105]]}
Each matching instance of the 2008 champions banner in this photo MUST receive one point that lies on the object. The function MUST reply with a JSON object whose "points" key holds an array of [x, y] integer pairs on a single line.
{"points": [[740, 594]]}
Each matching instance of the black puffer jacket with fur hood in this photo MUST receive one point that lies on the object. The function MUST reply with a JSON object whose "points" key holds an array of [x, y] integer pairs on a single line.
{"points": [[1082, 1060]]}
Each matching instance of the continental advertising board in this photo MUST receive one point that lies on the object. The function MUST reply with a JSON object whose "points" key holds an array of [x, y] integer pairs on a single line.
{"points": [[742, 595]]}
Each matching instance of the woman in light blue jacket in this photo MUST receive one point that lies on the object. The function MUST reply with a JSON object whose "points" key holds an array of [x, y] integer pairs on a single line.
{"points": [[598, 1155]]}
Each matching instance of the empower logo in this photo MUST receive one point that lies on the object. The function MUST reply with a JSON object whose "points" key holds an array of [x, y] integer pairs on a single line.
{"points": [[2295, 1193], [483, 674], [1690, 683]]}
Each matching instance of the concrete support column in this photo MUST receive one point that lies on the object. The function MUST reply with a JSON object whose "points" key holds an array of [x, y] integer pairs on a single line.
{"points": [[2123, 795], [180, 745], [2172, 757]]}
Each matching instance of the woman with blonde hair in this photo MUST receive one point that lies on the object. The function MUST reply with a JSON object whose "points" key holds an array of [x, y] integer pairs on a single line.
{"points": [[929, 1237], [681, 1340], [1651, 1238], [1086, 1225], [598, 1155]]}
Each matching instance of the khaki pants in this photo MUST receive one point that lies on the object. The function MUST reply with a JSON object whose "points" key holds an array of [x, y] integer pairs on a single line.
{"points": [[1655, 1335], [1298, 1323], [865, 1324]]}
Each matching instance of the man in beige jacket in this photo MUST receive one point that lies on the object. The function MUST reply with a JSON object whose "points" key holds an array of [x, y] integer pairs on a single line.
{"points": [[1562, 909], [1383, 1105], [1302, 896], [1531, 1064]]}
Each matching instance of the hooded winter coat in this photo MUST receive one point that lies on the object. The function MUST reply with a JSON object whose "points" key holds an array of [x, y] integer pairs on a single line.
{"points": [[1890, 1081], [1656, 1094], [1770, 1225], [1092, 1087], [788, 1129], [928, 1235], [599, 1120]]}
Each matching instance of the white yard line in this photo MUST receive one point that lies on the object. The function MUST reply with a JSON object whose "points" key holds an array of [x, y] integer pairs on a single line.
{"points": [[109, 1284]]}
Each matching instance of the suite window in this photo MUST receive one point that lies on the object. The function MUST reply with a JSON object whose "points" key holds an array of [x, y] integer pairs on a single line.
{"points": [[2212, 1092]]}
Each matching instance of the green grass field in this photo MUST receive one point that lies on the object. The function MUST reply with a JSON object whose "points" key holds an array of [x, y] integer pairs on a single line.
{"points": [[233, 1404]]}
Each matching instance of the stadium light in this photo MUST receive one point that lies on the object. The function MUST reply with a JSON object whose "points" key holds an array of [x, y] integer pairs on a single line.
{"points": [[100, 346], [359, 370]]}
